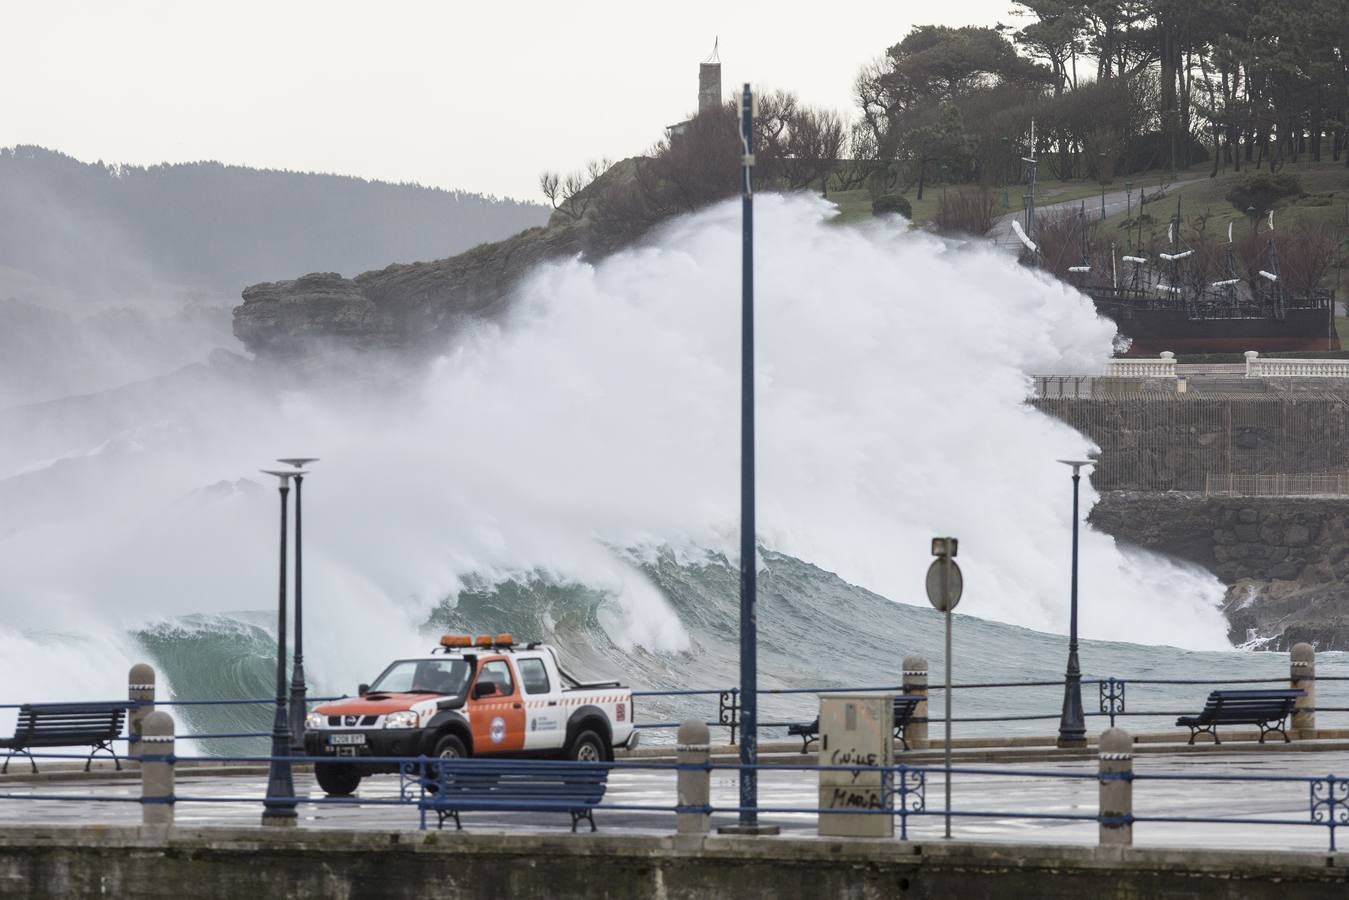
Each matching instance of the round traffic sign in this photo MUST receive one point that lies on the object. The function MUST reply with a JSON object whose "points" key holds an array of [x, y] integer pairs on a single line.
{"points": [[944, 584]]}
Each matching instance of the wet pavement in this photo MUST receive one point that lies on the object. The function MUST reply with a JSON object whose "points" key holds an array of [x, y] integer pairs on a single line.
{"points": [[1001, 802]]}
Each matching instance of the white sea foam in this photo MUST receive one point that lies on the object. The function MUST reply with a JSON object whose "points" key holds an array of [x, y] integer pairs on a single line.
{"points": [[604, 412]]}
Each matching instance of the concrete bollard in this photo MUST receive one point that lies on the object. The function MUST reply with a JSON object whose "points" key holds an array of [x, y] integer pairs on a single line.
{"points": [[157, 769], [693, 785], [1116, 794], [140, 690], [1302, 674], [915, 682]]}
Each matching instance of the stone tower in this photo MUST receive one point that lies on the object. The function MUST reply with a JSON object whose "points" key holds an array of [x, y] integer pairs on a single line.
{"points": [[709, 82]]}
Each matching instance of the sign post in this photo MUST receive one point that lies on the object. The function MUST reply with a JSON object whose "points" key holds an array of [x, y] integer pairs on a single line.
{"points": [[944, 587]]}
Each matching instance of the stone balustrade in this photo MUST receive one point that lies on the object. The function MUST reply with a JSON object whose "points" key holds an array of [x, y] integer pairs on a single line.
{"points": [[1162, 367], [1256, 367]]}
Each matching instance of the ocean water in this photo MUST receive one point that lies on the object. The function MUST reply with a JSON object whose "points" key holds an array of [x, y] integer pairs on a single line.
{"points": [[570, 473]]}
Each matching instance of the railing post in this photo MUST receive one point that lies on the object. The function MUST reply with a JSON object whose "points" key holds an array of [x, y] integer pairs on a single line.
{"points": [[140, 690], [1302, 674], [915, 682], [1116, 760], [693, 779], [157, 769]]}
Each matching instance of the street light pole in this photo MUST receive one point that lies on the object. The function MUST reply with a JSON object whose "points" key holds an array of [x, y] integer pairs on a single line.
{"points": [[1072, 723], [279, 806], [749, 689], [298, 701], [748, 822]]}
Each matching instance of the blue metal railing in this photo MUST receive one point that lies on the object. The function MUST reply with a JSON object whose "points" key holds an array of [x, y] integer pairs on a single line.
{"points": [[1115, 701], [904, 786]]}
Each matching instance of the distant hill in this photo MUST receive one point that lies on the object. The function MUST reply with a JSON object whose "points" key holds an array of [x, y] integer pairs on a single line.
{"points": [[111, 274], [90, 230]]}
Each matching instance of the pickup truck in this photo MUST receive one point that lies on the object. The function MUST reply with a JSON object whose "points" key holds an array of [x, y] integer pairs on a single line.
{"points": [[475, 697]]}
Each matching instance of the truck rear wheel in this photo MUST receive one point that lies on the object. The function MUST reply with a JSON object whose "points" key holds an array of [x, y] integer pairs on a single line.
{"points": [[587, 746], [337, 779]]}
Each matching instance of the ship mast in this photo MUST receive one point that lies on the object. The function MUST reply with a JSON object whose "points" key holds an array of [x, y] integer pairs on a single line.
{"points": [[1274, 275], [1032, 167]]}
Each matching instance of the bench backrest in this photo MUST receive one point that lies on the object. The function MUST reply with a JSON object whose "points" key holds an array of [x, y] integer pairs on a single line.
{"points": [[66, 724], [1249, 704], [905, 704], [519, 780]]}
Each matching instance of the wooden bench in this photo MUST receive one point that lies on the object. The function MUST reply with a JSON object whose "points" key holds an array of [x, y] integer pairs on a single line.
{"points": [[95, 725], [451, 787], [905, 704], [1265, 709]]}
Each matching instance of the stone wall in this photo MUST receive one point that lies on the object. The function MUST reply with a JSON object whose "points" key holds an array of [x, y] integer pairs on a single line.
{"points": [[215, 864], [1158, 442], [1284, 560]]}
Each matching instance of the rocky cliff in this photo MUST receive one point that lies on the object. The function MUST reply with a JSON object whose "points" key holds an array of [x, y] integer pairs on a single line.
{"points": [[401, 306], [1285, 561], [408, 306]]}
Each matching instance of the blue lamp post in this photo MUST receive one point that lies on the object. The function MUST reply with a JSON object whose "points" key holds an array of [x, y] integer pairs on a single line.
{"points": [[1072, 722], [298, 701], [279, 806]]}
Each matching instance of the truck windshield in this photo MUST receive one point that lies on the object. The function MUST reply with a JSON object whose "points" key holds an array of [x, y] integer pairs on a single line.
{"points": [[424, 676]]}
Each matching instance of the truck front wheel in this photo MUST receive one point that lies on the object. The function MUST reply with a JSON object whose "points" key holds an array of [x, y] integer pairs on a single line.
{"points": [[337, 779], [450, 747]]}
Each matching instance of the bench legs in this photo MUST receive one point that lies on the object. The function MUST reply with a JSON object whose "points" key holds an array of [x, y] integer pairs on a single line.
{"points": [[106, 748], [577, 817], [899, 733], [805, 741], [25, 752], [1196, 730], [1277, 727]]}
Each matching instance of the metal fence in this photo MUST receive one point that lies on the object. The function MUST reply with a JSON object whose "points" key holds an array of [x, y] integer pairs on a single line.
{"points": [[981, 709], [1333, 485], [428, 785], [1151, 702]]}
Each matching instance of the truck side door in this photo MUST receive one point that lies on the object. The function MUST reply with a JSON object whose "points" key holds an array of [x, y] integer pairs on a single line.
{"points": [[544, 719], [498, 720]]}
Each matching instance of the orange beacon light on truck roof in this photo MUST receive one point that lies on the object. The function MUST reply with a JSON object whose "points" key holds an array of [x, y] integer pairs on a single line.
{"points": [[456, 640]]}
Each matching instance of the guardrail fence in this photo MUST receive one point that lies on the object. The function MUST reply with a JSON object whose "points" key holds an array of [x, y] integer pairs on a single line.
{"points": [[1330, 485]]}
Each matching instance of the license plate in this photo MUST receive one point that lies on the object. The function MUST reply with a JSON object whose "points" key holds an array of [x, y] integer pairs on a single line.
{"points": [[348, 739]]}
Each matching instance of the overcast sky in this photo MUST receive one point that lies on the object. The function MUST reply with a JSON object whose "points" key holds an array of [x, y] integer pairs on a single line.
{"points": [[476, 96]]}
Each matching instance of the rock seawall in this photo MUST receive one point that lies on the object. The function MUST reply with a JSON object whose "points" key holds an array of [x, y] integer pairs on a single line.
{"points": [[1285, 560]]}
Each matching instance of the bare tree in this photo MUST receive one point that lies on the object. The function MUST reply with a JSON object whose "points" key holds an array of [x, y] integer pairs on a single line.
{"points": [[570, 195], [550, 184], [813, 146]]}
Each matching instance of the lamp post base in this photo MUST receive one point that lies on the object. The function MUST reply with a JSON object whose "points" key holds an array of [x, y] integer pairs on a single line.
{"points": [[1070, 742], [280, 820]]}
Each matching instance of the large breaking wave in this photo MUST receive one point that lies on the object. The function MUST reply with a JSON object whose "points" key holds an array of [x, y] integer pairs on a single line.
{"points": [[588, 444]]}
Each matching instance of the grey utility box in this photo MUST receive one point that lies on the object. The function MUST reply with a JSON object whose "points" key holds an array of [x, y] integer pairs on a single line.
{"points": [[855, 730]]}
